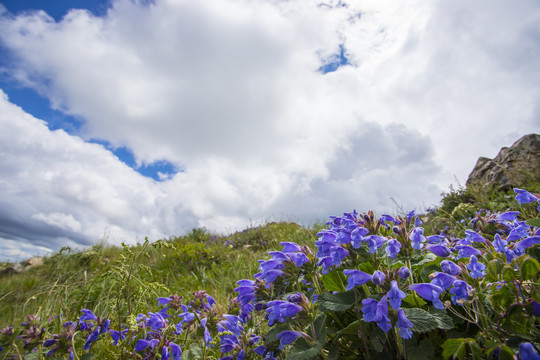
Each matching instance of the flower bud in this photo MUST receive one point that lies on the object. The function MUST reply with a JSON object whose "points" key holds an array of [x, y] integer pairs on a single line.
{"points": [[404, 272]]}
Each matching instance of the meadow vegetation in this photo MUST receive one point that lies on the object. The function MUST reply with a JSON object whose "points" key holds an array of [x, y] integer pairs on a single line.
{"points": [[320, 292]]}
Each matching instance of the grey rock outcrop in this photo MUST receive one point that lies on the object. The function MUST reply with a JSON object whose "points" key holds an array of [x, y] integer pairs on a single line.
{"points": [[512, 167]]}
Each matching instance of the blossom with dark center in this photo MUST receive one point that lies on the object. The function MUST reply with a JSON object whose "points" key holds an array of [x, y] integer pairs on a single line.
{"points": [[460, 292]]}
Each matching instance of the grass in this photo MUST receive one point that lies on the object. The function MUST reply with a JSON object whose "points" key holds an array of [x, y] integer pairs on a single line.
{"points": [[117, 281]]}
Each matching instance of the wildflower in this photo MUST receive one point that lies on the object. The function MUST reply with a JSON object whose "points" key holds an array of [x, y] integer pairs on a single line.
{"points": [[467, 251], [392, 248], [460, 292], [518, 232], [524, 197], [508, 216], [290, 247], [369, 309], [417, 238], [527, 243], [477, 269], [118, 335], [449, 267], [87, 315], [435, 239], [381, 316], [472, 236], [404, 272], [378, 277], [357, 236], [374, 242], [443, 280], [278, 310], [499, 244], [356, 278], [395, 295], [287, 337], [404, 325], [527, 351], [429, 292], [439, 250], [143, 344]]}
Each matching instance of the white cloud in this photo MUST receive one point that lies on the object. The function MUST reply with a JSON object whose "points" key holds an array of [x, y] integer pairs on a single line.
{"points": [[229, 90]]}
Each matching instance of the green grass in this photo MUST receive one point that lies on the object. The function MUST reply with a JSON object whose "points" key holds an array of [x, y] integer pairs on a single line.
{"points": [[117, 281]]}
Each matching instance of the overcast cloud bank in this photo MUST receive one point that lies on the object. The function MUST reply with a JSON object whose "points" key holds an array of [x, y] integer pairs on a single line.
{"points": [[231, 92]]}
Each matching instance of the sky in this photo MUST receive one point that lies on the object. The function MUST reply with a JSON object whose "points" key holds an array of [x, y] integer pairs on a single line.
{"points": [[126, 119]]}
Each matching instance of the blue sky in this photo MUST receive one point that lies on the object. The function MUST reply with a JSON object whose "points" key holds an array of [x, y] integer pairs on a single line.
{"points": [[33, 103], [132, 120]]}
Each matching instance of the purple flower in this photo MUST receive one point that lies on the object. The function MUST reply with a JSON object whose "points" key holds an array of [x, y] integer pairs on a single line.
{"points": [[381, 317], [117, 335], [417, 238], [87, 315], [527, 351], [369, 309], [429, 292], [143, 344], [404, 325], [443, 280], [395, 295], [439, 250], [287, 337], [467, 251], [449, 267], [91, 338], [472, 236], [357, 236], [392, 248], [290, 247], [524, 197], [460, 292], [508, 216], [356, 278], [279, 310], [435, 239], [527, 243], [499, 244], [378, 277], [374, 242], [518, 232], [477, 269], [404, 272]]}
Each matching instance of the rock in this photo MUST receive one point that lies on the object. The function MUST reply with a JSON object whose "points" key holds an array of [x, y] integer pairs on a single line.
{"points": [[513, 166], [21, 266]]}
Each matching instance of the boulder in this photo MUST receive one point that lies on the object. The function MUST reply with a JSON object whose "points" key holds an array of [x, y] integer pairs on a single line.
{"points": [[514, 166]]}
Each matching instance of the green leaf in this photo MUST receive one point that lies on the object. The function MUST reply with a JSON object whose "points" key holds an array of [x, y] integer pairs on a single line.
{"points": [[333, 281], [534, 222], [508, 274], [453, 348], [32, 356], [414, 300], [444, 321], [193, 353], [429, 257], [495, 267], [529, 268], [336, 302], [320, 328], [423, 351], [303, 351], [351, 329], [421, 319]]}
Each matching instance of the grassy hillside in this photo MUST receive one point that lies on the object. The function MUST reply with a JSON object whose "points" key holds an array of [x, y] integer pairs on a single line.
{"points": [[120, 282]]}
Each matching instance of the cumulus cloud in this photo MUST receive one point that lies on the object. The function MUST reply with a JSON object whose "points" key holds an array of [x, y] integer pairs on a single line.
{"points": [[231, 92]]}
